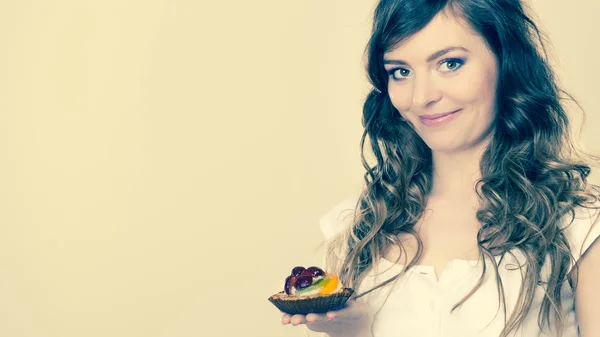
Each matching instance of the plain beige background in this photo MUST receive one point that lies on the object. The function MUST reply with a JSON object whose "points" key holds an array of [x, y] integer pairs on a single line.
{"points": [[163, 163]]}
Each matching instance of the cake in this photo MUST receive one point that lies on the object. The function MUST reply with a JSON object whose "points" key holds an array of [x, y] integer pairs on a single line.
{"points": [[311, 290]]}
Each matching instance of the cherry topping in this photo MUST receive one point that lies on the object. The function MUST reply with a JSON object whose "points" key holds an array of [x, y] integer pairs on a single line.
{"points": [[290, 282], [297, 270], [303, 281], [313, 271]]}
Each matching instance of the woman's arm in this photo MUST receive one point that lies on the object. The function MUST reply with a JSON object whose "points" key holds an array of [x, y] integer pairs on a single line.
{"points": [[587, 293]]}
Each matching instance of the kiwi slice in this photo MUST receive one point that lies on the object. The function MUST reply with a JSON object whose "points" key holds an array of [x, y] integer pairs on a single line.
{"points": [[320, 283]]}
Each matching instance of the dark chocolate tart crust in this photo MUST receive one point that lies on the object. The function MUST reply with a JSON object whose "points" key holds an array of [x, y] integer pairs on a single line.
{"points": [[314, 303]]}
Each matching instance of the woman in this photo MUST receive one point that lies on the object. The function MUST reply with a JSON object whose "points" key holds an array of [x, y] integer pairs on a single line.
{"points": [[477, 219]]}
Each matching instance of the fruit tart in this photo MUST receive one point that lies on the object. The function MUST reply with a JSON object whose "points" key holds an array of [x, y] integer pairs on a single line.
{"points": [[309, 290]]}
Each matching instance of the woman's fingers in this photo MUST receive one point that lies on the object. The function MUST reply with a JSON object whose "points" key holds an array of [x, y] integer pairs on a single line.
{"points": [[297, 320], [354, 319], [302, 319], [353, 309], [315, 318]]}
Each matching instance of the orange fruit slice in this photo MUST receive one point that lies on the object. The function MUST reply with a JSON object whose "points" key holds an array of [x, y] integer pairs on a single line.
{"points": [[330, 286]]}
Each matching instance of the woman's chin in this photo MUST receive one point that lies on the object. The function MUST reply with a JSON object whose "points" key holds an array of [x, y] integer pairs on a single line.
{"points": [[441, 146], [454, 145]]}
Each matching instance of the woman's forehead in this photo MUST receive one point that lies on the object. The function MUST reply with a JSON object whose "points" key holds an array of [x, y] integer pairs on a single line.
{"points": [[441, 32]]}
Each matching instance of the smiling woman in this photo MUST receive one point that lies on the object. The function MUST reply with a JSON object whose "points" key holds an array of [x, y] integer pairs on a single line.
{"points": [[477, 218]]}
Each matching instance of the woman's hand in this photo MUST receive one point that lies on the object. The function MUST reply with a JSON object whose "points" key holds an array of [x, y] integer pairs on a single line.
{"points": [[354, 320]]}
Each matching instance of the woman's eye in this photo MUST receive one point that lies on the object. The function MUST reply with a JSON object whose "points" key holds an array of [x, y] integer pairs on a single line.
{"points": [[451, 65], [399, 73]]}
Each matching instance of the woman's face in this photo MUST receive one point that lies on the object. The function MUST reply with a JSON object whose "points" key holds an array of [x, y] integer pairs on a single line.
{"points": [[444, 68]]}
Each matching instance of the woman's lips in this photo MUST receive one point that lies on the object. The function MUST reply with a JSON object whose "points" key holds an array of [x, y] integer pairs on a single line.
{"points": [[438, 119]]}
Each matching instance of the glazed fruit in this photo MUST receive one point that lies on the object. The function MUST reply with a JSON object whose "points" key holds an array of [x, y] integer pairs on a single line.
{"points": [[297, 270], [314, 286], [304, 281], [330, 286], [290, 282], [313, 271], [311, 281]]}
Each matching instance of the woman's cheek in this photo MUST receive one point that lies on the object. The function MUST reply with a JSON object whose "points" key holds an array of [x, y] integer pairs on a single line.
{"points": [[400, 101], [470, 87]]}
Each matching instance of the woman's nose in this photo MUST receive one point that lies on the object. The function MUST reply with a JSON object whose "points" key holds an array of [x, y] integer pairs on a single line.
{"points": [[425, 92]]}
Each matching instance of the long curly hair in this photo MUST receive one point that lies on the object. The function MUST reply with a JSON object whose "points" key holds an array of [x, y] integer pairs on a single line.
{"points": [[532, 172]]}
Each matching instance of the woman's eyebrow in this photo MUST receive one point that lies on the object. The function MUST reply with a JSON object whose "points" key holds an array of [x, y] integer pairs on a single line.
{"points": [[430, 58]]}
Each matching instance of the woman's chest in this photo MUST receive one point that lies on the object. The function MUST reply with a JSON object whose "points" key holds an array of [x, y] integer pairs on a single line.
{"points": [[448, 231], [419, 305]]}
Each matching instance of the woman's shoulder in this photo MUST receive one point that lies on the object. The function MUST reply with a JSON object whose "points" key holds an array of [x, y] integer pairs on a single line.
{"points": [[339, 217]]}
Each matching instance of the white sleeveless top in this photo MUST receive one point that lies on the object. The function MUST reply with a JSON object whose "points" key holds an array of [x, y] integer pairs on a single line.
{"points": [[419, 304]]}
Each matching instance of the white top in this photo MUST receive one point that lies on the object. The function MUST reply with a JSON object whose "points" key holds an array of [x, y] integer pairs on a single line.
{"points": [[419, 305]]}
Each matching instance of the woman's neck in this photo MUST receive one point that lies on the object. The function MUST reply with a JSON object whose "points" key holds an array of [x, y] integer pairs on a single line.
{"points": [[455, 173]]}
